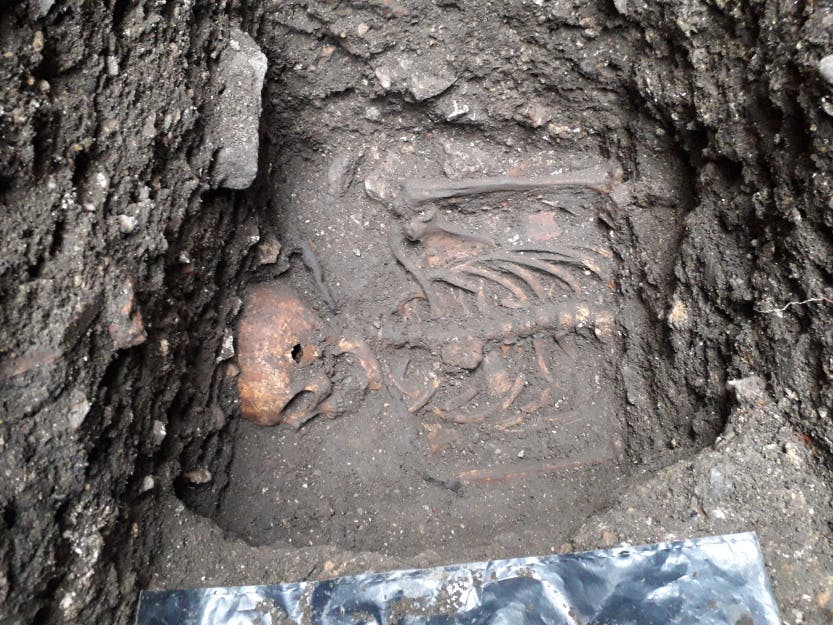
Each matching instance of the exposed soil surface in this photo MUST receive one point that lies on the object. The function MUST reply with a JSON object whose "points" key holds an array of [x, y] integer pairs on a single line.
{"points": [[487, 405], [452, 280]]}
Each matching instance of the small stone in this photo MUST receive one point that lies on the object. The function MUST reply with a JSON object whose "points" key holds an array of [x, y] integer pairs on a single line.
{"points": [[125, 326], [268, 250], [621, 6], [421, 77], [109, 126], [147, 484], [233, 126], [127, 223], [361, 29], [566, 548], [749, 390], [40, 8], [79, 407], [197, 476], [538, 115], [521, 453], [37, 41], [158, 433], [227, 346], [218, 417], [341, 171], [609, 538], [372, 113], [112, 64], [457, 111], [826, 69]]}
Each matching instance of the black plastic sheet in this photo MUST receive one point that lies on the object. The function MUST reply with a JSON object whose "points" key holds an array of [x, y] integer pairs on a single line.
{"points": [[706, 581]]}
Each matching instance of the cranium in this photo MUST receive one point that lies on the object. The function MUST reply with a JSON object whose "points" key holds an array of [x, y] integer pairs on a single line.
{"points": [[282, 375], [285, 359]]}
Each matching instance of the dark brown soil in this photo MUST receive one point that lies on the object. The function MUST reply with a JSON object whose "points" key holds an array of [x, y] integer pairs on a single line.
{"points": [[126, 268]]}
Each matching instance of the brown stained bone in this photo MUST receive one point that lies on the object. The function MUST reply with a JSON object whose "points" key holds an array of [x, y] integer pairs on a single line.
{"points": [[463, 418], [511, 422], [497, 278], [421, 400], [538, 265], [418, 276], [439, 438], [459, 401], [281, 378], [517, 387], [559, 258], [536, 404], [539, 345], [367, 360], [527, 277], [518, 472], [448, 277], [602, 179], [311, 262], [558, 319], [12, 367], [418, 229], [125, 327], [465, 352]]}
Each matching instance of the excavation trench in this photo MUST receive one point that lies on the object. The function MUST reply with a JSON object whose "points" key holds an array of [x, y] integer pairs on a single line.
{"points": [[452, 350], [511, 278]]}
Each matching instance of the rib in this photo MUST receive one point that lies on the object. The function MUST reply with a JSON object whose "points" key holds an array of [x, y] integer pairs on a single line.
{"points": [[495, 277], [540, 355], [527, 276], [453, 281], [479, 417], [538, 265], [423, 399], [399, 255], [510, 423], [536, 404], [517, 387], [459, 401]]}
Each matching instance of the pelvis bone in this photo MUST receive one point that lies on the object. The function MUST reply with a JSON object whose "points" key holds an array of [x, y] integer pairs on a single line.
{"points": [[286, 360]]}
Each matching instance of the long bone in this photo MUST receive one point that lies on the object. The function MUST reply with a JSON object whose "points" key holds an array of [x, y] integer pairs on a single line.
{"points": [[602, 179], [517, 472]]}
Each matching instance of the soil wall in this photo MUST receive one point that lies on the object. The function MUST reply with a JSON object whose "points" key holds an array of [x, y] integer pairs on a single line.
{"points": [[114, 246]]}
